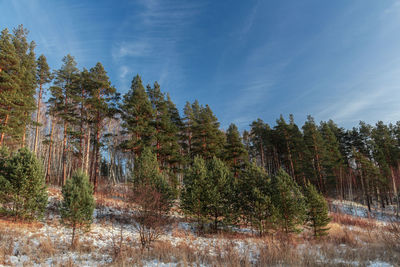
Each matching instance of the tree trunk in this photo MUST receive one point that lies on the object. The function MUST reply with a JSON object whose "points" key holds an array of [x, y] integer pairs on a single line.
{"points": [[3, 133], [96, 159], [37, 120], [49, 156], [395, 191], [64, 155], [87, 151]]}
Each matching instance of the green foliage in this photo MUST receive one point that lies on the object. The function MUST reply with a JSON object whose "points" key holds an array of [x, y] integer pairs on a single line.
{"points": [[253, 198], [137, 113], [207, 140], [289, 202], [235, 152], [208, 191], [317, 211], [78, 203], [22, 184], [147, 172], [193, 195]]}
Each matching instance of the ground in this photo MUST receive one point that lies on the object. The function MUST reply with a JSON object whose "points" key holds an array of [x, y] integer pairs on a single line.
{"points": [[113, 241]]}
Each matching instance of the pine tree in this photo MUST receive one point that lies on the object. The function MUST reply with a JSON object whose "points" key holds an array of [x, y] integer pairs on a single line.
{"points": [[78, 203], [315, 154], [218, 191], [207, 139], [102, 97], [43, 76], [63, 102], [368, 174], [189, 121], [192, 195], [27, 79], [147, 173], [23, 178], [289, 202], [333, 159], [9, 85], [317, 211], [235, 152], [253, 199], [137, 113], [208, 191], [166, 128], [386, 153], [259, 142]]}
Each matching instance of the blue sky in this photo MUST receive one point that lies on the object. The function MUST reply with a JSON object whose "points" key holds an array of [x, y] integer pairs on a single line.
{"points": [[335, 60]]}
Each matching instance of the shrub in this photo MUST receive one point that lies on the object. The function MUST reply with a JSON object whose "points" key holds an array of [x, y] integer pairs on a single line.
{"points": [[22, 184]]}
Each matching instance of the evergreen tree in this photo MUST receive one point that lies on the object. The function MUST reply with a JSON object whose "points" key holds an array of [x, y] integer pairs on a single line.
{"points": [[193, 197], [235, 152], [147, 173], [289, 202], [207, 139], [333, 159], [102, 98], [9, 85], [317, 211], [27, 79], [189, 121], [137, 114], [253, 199], [368, 175], [63, 102], [24, 184], [259, 140], [78, 203], [208, 191], [43, 76], [166, 128], [218, 192], [386, 153], [315, 154]]}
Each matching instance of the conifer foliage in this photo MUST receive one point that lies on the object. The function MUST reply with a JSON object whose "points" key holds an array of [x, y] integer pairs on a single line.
{"points": [[317, 211], [78, 203], [289, 202], [22, 184]]}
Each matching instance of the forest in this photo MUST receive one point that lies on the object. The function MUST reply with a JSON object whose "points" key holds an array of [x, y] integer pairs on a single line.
{"points": [[69, 123]]}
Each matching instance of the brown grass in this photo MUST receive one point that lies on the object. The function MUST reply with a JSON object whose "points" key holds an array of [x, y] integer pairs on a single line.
{"points": [[349, 220]]}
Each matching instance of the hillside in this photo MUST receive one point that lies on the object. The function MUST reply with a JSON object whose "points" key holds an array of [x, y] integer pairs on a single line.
{"points": [[352, 241]]}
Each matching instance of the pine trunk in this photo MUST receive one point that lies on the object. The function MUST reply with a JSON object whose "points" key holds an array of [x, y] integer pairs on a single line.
{"points": [[64, 155], [49, 156], [3, 133], [37, 120]]}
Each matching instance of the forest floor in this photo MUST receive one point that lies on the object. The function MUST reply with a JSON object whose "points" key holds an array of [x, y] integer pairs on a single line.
{"points": [[113, 241]]}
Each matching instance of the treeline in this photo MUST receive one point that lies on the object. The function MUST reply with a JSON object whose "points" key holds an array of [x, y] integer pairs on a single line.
{"points": [[84, 123]]}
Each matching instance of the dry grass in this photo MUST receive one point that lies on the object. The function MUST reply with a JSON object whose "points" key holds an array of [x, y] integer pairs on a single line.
{"points": [[349, 220], [350, 241]]}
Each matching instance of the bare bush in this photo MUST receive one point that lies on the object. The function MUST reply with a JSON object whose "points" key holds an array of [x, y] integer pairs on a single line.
{"points": [[151, 218]]}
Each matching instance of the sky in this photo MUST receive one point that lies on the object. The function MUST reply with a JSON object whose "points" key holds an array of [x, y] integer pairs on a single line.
{"points": [[248, 59]]}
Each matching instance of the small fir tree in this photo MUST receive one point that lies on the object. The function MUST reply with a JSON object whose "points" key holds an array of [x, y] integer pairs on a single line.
{"points": [[192, 195], [253, 199], [22, 184], [78, 203], [289, 202], [147, 172], [317, 211], [209, 194]]}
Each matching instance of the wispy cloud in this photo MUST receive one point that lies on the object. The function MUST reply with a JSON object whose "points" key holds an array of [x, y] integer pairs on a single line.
{"points": [[150, 40]]}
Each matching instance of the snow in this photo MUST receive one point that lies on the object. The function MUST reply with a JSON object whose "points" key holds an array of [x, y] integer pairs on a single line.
{"points": [[104, 230], [359, 210]]}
